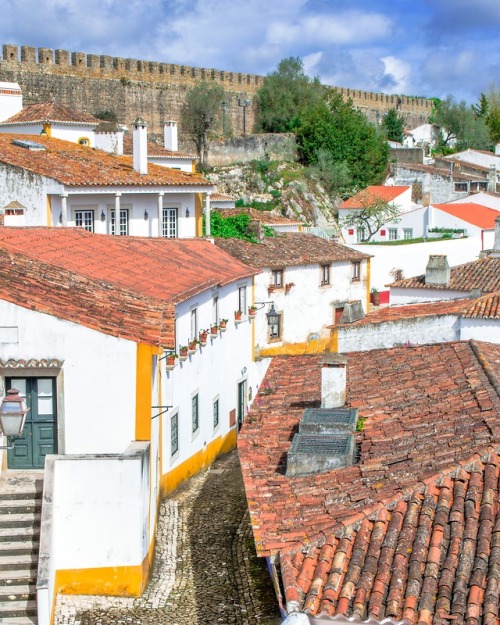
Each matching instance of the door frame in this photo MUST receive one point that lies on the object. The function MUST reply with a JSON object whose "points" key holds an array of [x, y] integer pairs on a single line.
{"points": [[39, 369]]}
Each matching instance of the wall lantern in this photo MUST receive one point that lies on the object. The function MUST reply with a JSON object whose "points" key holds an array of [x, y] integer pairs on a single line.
{"points": [[12, 415], [103, 216], [146, 215], [187, 212], [271, 314]]}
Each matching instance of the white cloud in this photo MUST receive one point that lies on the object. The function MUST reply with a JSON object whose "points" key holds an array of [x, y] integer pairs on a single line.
{"points": [[398, 72]]}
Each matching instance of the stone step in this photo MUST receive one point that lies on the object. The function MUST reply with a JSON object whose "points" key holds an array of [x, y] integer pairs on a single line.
{"points": [[18, 506], [17, 608], [17, 562], [17, 577], [18, 547], [16, 592], [20, 620], [18, 534], [23, 519], [24, 496]]}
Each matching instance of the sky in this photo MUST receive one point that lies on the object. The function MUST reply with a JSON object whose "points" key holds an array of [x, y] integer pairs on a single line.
{"points": [[423, 48]]}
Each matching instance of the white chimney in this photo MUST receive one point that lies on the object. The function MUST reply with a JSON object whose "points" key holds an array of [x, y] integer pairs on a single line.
{"points": [[108, 136], [333, 380], [170, 136], [11, 100], [140, 146], [497, 149]]}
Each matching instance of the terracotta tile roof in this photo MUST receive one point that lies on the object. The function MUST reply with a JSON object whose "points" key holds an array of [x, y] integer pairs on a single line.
{"points": [[427, 409], [92, 303], [380, 192], [289, 249], [265, 217], [487, 307], [167, 269], [77, 165], [154, 149], [46, 112], [222, 197], [438, 171], [482, 274], [475, 214], [429, 557]]}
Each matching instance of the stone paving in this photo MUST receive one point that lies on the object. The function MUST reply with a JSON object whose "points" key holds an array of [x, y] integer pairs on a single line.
{"points": [[205, 569]]}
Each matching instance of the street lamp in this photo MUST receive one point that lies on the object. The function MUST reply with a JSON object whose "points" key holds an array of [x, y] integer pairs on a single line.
{"points": [[12, 416], [244, 104], [224, 110]]}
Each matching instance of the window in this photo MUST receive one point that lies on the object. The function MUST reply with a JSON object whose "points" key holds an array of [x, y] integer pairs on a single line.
{"points": [[478, 186], [393, 234], [216, 413], [277, 278], [325, 274], [360, 235], [407, 233], [215, 311], [123, 227], [461, 187], [356, 271], [174, 434], [275, 328], [194, 324], [242, 299], [169, 223], [85, 219], [195, 413]]}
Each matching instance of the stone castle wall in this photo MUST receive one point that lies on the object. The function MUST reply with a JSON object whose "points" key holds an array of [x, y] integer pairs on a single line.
{"points": [[153, 90]]}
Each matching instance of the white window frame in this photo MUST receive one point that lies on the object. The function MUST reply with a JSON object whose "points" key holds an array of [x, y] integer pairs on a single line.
{"points": [[407, 233], [277, 278], [124, 221], [215, 310], [174, 428], [356, 270], [169, 222], [360, 234], [325, 274], [86, 218], [242, 299], [194, 323], [195, 413], [393, 234]]}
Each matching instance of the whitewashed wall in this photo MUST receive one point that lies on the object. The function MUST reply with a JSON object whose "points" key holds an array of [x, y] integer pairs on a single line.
{"points": [[414, 296], [28, 189], [417, 331], [99, 377], [480, 330], [308, 307], [442, 219], [184, 164]]}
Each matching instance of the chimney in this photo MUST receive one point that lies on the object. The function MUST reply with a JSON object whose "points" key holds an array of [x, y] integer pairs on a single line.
{"points": [[333, 380], [437, 272], [109, 137], [140, 146], [170, 136], [11, 100], [492, 179], [496, 245]]}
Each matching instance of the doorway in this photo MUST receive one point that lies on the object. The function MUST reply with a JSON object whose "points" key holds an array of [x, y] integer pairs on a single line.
{"points": [[242, 402]]}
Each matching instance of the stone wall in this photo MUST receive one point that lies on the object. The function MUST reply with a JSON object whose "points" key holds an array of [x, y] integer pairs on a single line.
{"points": [[154, 90]]}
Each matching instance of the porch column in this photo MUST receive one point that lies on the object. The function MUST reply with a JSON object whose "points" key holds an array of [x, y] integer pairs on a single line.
{"points": [[207, 214], [64, 209], [160, 214], [117, 213]]}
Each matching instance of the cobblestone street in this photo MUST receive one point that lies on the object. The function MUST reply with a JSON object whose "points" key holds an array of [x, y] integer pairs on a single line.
{"points": [[205, 570]]}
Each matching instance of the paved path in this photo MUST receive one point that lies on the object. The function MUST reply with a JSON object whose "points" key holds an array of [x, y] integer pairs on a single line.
{"points": [[205, 570]]}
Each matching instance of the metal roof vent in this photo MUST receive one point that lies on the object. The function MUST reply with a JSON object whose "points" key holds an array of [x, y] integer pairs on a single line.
{"points": [[29, 145], [325, 441]]}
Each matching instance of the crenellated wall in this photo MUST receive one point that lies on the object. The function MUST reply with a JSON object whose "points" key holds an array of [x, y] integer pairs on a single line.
{"points": [[156, 91]]}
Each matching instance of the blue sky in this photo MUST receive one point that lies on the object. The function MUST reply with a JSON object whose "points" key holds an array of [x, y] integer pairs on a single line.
{"points": [[414, 47]]}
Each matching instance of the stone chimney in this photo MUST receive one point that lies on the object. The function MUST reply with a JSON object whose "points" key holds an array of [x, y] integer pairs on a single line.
{"points": [[109, 137], [170, 136], [492, 179], [11, 100], [333, 380], [140, 146], [496, 245], [437, 272]]}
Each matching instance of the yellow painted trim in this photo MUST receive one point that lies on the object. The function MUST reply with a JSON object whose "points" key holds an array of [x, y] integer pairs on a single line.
{"points": [[49, 211], [368, 282], [143, 398], [253, 322], [47, 129], [199, 461], [198, 214], [117, 581], [295, 349], [334, 340], [193, 166]]}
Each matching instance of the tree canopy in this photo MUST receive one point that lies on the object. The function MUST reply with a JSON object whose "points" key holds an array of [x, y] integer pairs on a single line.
{"points": [[461, 126], [285, 95], [337, 127], [372, 214], [200, 114], [394, 124]]}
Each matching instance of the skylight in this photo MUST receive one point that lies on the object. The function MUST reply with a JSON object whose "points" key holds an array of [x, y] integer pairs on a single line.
{"points": [[29, 145]]}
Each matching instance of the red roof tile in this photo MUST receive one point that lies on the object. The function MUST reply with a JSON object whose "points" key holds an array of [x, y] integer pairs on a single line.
{"points": [[482, 274], [289, 249], [487, 307], [76, 165], [380, 192], [427, 409], [46, 112], [475, 214]]}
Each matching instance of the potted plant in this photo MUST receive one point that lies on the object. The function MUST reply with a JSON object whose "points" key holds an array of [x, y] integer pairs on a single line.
{"points": [[171, 358], [252, 311], [289, 286], [223, 325], [183, 351], [375, 297], [203, 337], [214, 330], [193, 346], [237, 315]]}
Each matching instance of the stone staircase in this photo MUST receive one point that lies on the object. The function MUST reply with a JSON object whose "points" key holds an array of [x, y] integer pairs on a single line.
{"points": [[20, 511]]}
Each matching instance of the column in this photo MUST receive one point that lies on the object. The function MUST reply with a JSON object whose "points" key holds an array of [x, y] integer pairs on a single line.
{"points": [[64, 209], [117, 213], [160, 214]]}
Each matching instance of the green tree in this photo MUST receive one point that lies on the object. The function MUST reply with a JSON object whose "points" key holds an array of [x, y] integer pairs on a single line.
{"points": [[493, 113], [333, 176], [200, 115], [394, 125], [338, 128], [372, 214], [461, 126], [285, 95]]}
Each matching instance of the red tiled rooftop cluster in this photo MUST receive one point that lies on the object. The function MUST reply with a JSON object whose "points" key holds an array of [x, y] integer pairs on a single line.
{"points": [[370, 194], [475, 214], [51, 112]]}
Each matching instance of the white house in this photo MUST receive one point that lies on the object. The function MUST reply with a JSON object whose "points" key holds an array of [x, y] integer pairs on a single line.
{"points": [[425, 136], [63, 183], [491, 200], [11, 99], [475, 220], [87, 324], [309, 282]]}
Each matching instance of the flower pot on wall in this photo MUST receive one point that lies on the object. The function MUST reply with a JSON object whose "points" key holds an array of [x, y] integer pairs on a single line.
{"points": [[375, 298]]}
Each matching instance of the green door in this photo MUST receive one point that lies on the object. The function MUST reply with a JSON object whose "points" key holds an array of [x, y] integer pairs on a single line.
{"points": [[39, 436]]}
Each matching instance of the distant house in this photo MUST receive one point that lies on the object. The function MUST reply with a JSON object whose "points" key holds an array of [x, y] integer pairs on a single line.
{"points": [[222, 201], [475, 220], [424, 136], [310, 283], [92, 333]]}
